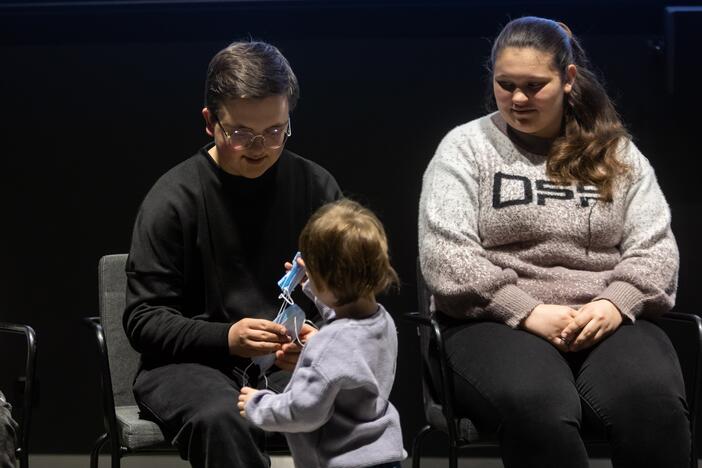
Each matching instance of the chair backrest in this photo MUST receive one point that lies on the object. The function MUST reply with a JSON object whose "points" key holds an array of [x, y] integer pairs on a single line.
{"points": [[122, 358]]}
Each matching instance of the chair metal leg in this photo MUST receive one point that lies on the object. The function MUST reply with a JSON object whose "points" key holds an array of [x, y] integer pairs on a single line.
{"points": [[693, 461], [23, 458], [693, 455], [95, 454], [417, 445], [453, 455], [116, 453]]}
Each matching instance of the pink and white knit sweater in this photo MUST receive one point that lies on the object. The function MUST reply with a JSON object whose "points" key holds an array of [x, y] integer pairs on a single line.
{"points": [[497, 237]]}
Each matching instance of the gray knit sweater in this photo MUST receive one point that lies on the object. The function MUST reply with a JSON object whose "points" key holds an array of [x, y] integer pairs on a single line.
{"points": [[335, 411], [497, 238]]}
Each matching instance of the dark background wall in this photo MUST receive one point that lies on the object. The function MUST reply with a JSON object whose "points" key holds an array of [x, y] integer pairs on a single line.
{"points": [[99, 98]]}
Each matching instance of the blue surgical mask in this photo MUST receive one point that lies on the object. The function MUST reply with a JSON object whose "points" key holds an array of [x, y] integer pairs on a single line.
{"points": [[292, 318], [291, 279]]}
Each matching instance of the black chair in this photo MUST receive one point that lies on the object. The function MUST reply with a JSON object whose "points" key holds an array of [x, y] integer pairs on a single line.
{"points": [[684, 330], [126, 432], [27, 386]]}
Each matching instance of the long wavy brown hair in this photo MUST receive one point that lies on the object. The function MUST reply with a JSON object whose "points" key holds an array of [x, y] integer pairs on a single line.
{"points": [[586, 152]]}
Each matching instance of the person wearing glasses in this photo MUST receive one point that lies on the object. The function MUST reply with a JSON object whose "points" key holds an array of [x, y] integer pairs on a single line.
{"points": [[208, 246]]}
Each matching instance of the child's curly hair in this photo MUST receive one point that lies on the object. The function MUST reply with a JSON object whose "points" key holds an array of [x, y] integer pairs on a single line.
{"points": [[345, 249]]}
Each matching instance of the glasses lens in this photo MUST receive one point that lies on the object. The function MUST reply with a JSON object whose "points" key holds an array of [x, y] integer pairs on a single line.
{"points": [[240, 140], [272, 138]]}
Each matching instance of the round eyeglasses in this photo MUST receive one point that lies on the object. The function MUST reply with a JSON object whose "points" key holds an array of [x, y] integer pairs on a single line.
{"points": [[271, 138]]}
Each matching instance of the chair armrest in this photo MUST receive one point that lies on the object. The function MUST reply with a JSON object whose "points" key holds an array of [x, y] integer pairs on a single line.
{"points": [[107, 397], [91, 322], [416, 318], [683, 317]]}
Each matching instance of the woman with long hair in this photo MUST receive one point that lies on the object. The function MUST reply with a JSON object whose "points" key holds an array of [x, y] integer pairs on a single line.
{"points": [[545, 241]]}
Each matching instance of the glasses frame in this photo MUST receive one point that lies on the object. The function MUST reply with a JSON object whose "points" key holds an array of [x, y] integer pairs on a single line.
{"points": [[286, 134]]}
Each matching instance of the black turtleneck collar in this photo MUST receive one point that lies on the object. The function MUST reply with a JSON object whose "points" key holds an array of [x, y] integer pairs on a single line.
{"points": [[231, 181]]}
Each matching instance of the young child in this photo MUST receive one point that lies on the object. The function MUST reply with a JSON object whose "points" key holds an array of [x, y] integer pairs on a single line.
{"points": [[335, 411]]}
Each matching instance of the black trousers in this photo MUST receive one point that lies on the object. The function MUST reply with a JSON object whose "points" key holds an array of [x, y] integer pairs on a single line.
{"points": [[537, 399], [196, 407]]}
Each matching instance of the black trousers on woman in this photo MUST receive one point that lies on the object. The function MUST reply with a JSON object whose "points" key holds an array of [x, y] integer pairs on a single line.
{"points": [[196, 407], [536, 399]]}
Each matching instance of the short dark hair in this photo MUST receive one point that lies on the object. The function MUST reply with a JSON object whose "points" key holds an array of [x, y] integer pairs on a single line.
{"points": [[344, 245], [251, 69]]}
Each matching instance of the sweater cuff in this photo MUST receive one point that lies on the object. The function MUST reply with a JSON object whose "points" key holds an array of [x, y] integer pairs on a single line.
{"points": [[216, 337], [625, 296], [251, 407], [511, 305]]}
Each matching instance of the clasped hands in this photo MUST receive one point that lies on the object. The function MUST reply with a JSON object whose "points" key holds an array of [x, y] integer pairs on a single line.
{"points": [[571, 330]]}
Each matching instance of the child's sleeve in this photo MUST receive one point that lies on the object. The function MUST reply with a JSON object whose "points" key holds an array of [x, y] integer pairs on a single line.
{"points": [[305, 405]]}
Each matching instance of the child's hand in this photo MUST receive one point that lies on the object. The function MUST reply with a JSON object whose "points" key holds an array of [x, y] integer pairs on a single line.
{"points": [[287, 357], [245, 395], [301, 262], [288, 265]]}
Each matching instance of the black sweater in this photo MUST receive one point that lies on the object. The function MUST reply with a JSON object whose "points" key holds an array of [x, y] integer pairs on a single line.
{"points": [[207, 251]]}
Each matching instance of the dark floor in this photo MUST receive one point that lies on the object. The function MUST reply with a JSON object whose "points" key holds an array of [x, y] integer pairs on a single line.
{"points": [[159, 461]]}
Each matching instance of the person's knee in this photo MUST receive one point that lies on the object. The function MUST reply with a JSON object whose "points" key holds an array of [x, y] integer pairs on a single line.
{"points": [[541, 427], [651, 430], [661, 413], [540, 409], [218, 416], [645, 397]]}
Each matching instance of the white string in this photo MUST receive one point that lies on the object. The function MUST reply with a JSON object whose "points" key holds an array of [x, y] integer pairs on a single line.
{"points": [[297, 336], [286, 297], [245, 377]]}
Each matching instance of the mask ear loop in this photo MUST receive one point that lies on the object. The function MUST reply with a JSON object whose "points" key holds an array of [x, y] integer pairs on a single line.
{"points": [[282, 307], [245, 377], [297, 336], [285, 296]]}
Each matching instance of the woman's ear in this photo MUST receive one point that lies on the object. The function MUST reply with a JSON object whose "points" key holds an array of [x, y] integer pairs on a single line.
{"points": [[209, 121], [571, 73]]}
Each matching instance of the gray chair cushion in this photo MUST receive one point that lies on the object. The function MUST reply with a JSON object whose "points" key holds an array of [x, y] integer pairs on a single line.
{"points": [[137, 433]]}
